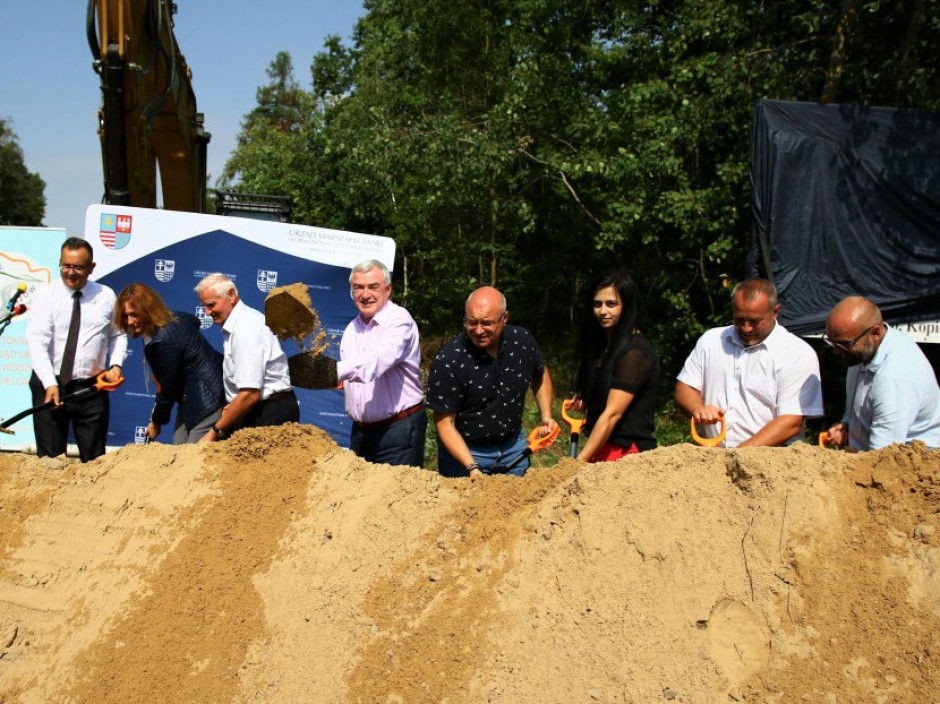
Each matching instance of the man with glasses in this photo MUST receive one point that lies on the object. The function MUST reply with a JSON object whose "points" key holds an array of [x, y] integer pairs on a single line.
{"points": [[72, 339], [380, 367], [760, 378], [891, 390], [477, 389]]}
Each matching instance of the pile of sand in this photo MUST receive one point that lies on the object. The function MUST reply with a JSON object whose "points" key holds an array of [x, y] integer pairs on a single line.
{"points": [[276, 567]]}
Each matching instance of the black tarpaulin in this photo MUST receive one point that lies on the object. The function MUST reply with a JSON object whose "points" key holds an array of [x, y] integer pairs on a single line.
{"points": [[846, 200]]}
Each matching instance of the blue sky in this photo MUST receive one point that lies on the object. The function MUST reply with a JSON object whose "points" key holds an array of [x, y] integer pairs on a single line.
{"points": [[51, 94]]}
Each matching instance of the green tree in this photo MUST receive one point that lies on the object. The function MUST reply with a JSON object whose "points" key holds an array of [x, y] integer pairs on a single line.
{"points": [[271, 152], [531, 144], [22, 193]]}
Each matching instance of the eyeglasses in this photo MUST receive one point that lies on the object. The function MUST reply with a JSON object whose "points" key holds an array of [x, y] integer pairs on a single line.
{"points": [[842, 344], [372, 288], [485, 324], [77, 268]]}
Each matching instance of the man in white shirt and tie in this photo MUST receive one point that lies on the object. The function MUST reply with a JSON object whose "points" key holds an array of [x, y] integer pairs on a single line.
{"points": [[72, 339]]}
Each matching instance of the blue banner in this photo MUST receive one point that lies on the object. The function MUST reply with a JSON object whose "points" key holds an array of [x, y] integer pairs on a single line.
{"points": [[172, 251]]}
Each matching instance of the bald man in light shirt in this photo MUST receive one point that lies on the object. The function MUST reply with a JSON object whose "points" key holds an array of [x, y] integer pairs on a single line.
{"points": [[891, 392]]}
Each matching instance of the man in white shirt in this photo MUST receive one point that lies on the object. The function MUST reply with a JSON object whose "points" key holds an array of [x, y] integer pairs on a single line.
{"points": [[72, 339], [763, 380], [257, 384], [891, 392]]}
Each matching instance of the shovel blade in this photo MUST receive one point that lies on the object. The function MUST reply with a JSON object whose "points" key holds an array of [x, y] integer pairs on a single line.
{"points": [[312, 370]]}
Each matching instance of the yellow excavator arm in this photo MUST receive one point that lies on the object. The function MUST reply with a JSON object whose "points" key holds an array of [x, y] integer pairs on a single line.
{"points": [[148, 112]]}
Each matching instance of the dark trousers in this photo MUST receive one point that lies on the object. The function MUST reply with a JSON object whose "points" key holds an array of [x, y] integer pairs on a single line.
{"points": [[88, 417], [280, 408], [401, 443]]}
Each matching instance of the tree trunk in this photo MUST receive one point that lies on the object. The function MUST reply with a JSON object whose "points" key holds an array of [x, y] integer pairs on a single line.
{"points": [[837, 54], [915, 20]]}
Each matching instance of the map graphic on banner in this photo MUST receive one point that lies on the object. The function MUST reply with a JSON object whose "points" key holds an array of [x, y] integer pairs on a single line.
{"points": [[30, 256], [171, 251]]}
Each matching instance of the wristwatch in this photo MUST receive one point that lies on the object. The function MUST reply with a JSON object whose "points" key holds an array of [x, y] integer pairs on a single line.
{"points": [[219, 433]]}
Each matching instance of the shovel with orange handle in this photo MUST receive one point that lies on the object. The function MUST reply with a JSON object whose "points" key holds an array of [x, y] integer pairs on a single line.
{"points": [[99, 385], [709, 442], [536, 443], [574, 424]]}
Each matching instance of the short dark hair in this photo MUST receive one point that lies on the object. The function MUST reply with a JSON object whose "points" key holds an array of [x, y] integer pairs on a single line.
{"points": [[751, 288], [78, 243]]}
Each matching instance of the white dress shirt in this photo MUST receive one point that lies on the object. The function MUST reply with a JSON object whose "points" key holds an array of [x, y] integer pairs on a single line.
{"points": [[253, 358], [101, 344], [776, 377]]}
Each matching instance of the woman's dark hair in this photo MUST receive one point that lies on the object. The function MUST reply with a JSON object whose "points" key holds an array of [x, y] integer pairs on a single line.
{"points": [[598, 355]]}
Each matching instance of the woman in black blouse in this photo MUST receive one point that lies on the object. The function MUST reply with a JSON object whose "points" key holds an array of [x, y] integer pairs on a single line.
{"points": [[618, 375]]}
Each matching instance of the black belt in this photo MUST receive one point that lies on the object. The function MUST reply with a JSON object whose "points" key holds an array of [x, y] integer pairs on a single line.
{"points": [[280, 396], [401, 415], [77, 383]]}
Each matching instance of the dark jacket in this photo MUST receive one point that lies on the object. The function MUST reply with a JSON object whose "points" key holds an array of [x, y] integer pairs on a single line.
{"points": [[188, 371]]}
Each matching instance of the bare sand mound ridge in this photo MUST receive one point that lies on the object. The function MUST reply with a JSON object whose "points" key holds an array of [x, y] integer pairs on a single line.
{"points": [[277, 567]]}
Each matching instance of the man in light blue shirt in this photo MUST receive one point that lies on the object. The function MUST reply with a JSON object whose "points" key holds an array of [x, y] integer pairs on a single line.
{"points": [[891, 390]]}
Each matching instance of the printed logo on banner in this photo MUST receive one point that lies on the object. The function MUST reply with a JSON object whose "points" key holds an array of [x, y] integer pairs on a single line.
{"points": [[115, 230], [164, 269], [266, 280], [204, 320], [140, 435]]}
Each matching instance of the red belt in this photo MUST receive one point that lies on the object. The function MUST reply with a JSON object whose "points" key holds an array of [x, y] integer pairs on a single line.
{"points": [[401, 415]]}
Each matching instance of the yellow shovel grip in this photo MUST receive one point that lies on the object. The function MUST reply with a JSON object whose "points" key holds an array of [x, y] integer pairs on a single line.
{"points": [[708, 442]]}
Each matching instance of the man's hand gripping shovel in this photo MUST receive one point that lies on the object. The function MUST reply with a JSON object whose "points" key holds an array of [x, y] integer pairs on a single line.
{"points": [[99, 385], [536, 443], [708, 442], [574, 425]]}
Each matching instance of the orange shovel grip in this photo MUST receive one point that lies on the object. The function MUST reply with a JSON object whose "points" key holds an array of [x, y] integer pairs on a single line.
{"points": [[574, 424], [540, 443], [102, 385], [709, 442]]}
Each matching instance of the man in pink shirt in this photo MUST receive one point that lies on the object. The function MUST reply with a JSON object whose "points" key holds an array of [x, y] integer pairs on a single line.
{"points": [[380, 367]]}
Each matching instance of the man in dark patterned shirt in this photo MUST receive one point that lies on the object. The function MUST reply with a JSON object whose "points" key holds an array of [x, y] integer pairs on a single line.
{"points": [[477, 390]]}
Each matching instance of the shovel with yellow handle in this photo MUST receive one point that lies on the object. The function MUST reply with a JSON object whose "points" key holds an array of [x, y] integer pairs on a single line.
{"points": [[708, 442], [574, 425]]}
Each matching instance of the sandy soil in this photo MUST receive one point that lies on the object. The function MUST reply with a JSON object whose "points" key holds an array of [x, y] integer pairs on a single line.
{"points": [[290, 314], [276, 567]]}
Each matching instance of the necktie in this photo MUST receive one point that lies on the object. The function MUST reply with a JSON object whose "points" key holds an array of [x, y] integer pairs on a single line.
{"points": [[71, 342]]}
